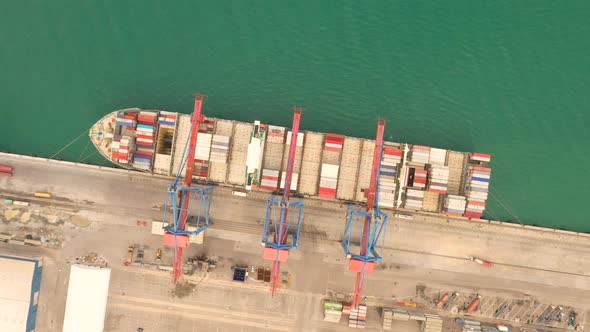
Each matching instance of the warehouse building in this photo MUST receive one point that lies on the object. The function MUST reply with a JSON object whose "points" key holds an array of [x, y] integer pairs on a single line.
{"points": [[86, 305], [20, 282]]}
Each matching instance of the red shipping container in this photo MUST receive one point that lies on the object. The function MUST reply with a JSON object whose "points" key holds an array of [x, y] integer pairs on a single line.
{"points": [[420, 147], [483, 169], [145, 136], [144, 153], [4, 173], [471, 214], [481, 155], [392, 151], [333, 149]]}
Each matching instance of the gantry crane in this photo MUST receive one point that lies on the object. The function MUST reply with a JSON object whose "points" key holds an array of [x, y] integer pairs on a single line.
{"points": [[178, 197], [283, 216], [373, 223]]}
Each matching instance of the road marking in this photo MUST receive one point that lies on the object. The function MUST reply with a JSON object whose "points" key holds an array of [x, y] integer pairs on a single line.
{"points": [[212, 314]]}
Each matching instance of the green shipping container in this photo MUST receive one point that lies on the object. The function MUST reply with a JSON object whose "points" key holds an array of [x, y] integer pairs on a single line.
{"points": [[333, 306], [7, 201]]}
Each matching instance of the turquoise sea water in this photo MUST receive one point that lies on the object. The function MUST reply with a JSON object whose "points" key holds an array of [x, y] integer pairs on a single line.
{"points": [[510, 78]]}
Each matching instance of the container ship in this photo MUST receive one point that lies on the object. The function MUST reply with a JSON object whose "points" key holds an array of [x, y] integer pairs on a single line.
{"points": [[331, 166]]}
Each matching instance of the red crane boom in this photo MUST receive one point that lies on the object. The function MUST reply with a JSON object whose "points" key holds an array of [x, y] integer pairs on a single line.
{"points": [[370, 193], [196, 118]]}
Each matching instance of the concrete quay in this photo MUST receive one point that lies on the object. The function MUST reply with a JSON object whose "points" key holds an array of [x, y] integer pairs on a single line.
{"points": [[424, 256]]}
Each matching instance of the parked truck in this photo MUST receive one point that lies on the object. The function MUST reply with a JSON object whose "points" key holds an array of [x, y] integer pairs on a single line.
{"points": [[474, 304]]}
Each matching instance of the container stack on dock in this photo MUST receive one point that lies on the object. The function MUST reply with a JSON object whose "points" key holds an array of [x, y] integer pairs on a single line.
{"points": [[358, 317], [454, 205], [433, 323], [478, 181], [414, 199], [387, 319], [332, 312], [420, 154], [439, 179], [387, 176], [328, 181], [270, 179]]}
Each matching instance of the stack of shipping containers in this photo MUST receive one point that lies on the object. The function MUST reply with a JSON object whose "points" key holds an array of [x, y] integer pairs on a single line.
{"points": [[296, 163], [331, 158], [420, 178], [219, 149], [334, 142], [420, 154], [358, 317], [270, 179], [332, 312], [146, 129], [414, 199], [275, 134], [439, 179], [387, 176], [478, 181], [202, 151], [454, 205], [328, 181], [438, 156]]}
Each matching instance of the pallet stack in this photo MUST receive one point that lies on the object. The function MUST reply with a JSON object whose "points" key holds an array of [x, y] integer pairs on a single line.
{"points": [[332, 312], [439, 179]]}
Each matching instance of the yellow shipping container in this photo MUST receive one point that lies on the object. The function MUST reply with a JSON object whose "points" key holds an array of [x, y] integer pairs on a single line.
{"points": [[43, 195]]}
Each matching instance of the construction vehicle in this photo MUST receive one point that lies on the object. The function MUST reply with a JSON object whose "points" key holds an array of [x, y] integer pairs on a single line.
{"points": [[130, 251]]}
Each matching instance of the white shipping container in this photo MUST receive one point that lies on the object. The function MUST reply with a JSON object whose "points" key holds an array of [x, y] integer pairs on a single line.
{"points": [[299, 139], [415, 193], [475, 207], [329, 170], [332, 145], [270, 172], [294, 180], [158, 227], [269, 183]]}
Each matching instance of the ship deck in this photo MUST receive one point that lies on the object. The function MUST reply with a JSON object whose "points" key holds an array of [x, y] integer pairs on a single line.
{"points": [[350, 163]]}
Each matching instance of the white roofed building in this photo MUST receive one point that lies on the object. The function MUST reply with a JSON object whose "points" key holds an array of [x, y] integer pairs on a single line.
{"points": [[86, 305]]}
